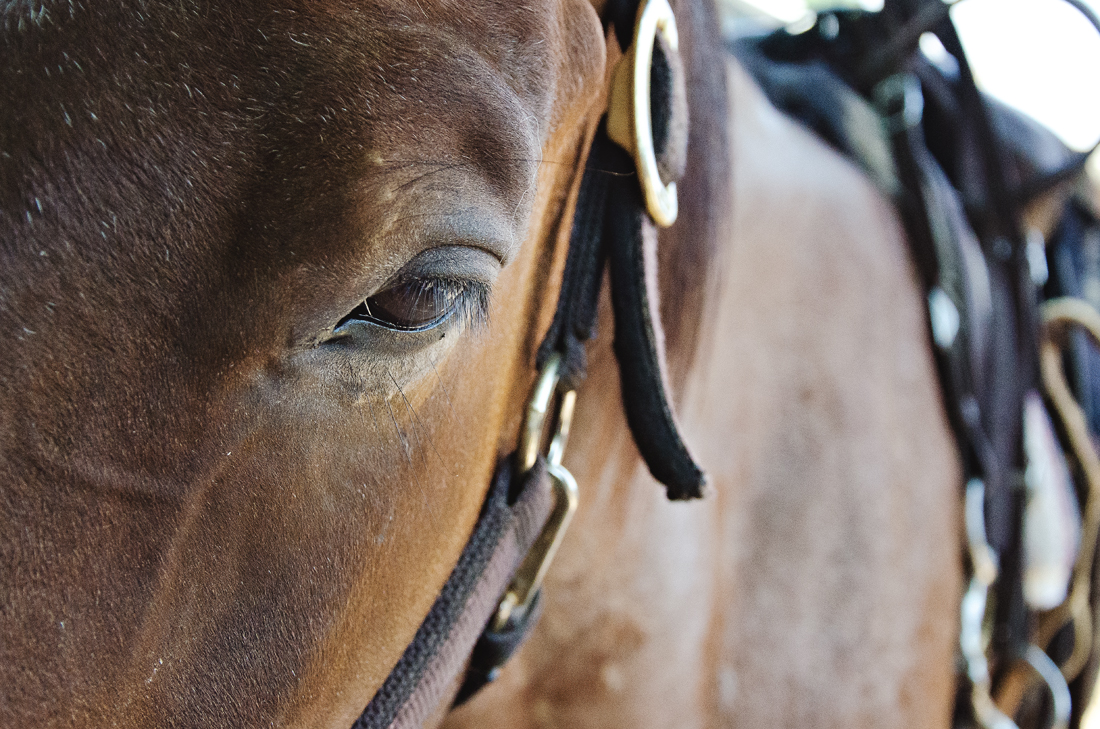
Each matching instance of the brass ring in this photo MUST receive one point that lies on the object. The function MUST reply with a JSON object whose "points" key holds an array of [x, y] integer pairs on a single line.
{"points": [[629, 121]]}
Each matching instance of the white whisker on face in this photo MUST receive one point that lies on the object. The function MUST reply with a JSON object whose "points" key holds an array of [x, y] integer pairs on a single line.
{"points": [[443, 387], [415, 415], [408, 448]]}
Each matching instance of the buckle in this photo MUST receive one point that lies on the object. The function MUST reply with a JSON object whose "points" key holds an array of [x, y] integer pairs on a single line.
{"points": [[975, 603], [528, 579], [629, 120], [900, 101]]}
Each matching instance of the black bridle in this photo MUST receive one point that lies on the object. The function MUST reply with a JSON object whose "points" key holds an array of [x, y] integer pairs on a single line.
{"points": [[490, 602]]}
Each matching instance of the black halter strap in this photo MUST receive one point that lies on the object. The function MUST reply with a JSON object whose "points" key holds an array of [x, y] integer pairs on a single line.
{"points": [[611, 230]]}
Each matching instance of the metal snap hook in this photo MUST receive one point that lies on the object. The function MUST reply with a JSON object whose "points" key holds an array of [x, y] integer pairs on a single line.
{"points": [[528, 578], [984, 563]]}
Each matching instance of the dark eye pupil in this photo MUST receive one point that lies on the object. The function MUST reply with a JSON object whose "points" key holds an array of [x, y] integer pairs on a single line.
{"points": [[409, 305]]}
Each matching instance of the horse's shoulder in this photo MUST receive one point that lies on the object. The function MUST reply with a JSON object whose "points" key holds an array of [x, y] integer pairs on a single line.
{"points": [[832, 461]]}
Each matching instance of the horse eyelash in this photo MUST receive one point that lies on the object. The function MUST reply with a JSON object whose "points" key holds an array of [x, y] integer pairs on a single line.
{"points": [[469, 300], [470, 307], [469, 304]]}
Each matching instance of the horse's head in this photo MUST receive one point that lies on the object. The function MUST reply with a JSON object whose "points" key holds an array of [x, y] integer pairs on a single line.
{"points": [[249, 253]]}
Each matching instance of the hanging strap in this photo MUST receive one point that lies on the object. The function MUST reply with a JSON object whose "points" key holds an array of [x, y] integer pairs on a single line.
{"points": [[629, 186], [612, 228]]}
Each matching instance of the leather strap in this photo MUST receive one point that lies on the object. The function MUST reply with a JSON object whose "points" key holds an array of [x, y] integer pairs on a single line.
{"points": [[639, 343]]}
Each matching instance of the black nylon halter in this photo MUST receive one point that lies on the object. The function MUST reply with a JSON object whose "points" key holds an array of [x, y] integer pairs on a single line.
{"points": [[608, 230], [611, 229]]}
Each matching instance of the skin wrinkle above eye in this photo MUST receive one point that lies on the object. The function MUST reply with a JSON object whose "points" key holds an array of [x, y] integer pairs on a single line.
{"points": [[457, 261], [473, 229]]}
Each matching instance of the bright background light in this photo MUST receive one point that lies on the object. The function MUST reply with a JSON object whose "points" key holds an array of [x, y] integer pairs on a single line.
{"points": [[1039, 56], [1042, 57]]}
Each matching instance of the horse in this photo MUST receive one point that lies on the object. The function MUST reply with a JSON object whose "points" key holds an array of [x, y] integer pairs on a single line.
{"points": [[274, 278]]}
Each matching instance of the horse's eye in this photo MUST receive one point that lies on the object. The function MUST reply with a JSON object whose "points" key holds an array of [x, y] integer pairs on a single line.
{"points": [[411, 305]]}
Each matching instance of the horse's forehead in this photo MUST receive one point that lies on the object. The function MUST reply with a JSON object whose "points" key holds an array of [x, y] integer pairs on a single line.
{"points": [[190, 186], [212, 150], [406, 83], [423, 57]]}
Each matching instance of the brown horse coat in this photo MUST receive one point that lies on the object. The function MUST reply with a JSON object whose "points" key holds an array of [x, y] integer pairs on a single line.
{"points": [[214, 514]]}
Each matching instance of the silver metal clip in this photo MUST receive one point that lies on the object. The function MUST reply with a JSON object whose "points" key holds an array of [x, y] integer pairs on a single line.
{"points": [[528, 578]]}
